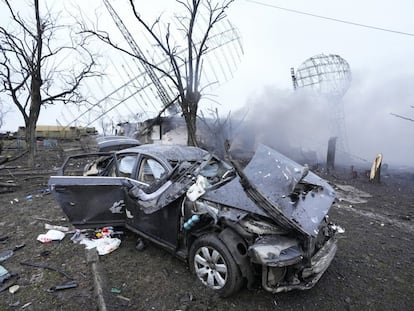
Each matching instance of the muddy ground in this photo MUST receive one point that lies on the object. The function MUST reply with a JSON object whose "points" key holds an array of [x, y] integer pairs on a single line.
{"points": [[373, 269]]}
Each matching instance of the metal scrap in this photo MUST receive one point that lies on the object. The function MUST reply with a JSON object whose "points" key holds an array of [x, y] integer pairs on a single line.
{"points": [[70, 284], [45, 266]]}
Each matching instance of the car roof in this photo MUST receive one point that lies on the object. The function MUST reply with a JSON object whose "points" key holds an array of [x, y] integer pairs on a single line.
{"points": [[122, 143], [169, 152]]}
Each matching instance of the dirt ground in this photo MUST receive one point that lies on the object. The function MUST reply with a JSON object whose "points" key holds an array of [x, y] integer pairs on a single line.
{"points": [[373, 269]]}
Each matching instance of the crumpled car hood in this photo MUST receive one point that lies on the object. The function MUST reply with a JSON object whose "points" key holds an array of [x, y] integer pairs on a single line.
{"points": [[300, 196]]}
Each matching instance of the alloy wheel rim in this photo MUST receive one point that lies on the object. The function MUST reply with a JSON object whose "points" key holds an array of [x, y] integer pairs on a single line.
{"points": [[210, 267]]}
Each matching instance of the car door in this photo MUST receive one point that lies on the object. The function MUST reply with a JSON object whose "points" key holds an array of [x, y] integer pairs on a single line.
{"points": [[92, 189], [158, 224]]}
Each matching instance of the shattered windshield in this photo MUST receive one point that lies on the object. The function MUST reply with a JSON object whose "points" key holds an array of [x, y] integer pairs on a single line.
{"points": [[215, 170], [207, 174]]}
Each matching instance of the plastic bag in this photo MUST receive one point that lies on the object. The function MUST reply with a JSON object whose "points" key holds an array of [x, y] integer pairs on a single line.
{"points": [[51, 235]]}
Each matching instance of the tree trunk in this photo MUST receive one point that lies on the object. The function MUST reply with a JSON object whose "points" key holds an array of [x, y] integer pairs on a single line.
{"points": [[190, 121], [30, 139], [35, 104], [189, 108]]}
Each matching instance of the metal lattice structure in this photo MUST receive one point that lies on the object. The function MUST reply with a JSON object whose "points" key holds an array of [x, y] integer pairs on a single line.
{"points": [[135, 88], [328, 76], [162, 92]]}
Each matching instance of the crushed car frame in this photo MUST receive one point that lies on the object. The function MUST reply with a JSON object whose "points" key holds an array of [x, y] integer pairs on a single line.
{"points": [[233, 226]]}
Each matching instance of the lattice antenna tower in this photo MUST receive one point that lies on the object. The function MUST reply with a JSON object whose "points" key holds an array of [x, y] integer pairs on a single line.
{"points": [[328, 76], [162, 92], [140, 89]]}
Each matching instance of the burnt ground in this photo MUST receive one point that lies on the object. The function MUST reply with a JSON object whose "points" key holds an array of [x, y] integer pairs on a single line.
{"points": [[373, 269]]}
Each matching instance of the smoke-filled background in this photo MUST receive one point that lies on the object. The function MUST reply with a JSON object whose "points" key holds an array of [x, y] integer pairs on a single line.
{"points": [[276, 36], [300, 123]]}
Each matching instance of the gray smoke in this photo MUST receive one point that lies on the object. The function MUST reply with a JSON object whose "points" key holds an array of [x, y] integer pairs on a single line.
{"points": [[299, 123], [294, 123]]}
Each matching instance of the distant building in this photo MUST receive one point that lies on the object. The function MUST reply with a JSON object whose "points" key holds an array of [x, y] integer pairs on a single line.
{"points": [[58, 132]]}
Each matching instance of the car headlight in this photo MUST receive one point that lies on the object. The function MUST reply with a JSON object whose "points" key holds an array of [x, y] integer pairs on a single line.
{"points": [[275, 251]]}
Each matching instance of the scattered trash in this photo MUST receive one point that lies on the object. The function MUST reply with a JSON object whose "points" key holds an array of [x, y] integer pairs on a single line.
{"points": [[115, 290], [103, 246], [45, 266], [123, 298], [7, 254], [29, 197], [44, 191], [107, 232], [4, 274], [102, 240], [107, 245], [13, 289], [14, 304], [104, 232], [26, 305], [77, 236], [16, 200], [89, 244], [7, 286], [54, 227], [51, 235], [70, 284], [338, 229]]}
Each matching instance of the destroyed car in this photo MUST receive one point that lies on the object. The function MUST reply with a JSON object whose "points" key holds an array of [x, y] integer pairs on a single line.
{"points": [[235, 227]]}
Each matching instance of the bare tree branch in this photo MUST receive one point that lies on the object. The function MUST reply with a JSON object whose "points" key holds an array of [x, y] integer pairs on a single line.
{"points": [[185, 64], [29, 60], [402, 117], [167, 49], [104, 37]]}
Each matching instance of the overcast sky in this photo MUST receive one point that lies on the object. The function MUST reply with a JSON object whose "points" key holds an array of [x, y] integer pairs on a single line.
{"points": [[274, 40]]}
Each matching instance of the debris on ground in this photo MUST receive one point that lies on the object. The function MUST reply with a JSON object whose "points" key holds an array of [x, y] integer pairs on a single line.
{"points": [[51, 235], [371, 255], [70, 284]]}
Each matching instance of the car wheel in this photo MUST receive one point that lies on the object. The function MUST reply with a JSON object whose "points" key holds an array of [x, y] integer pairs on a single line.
{"points": [[212, 263]]}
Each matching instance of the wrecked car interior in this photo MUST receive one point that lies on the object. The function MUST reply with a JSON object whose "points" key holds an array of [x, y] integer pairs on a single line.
{"points": [[264, 223]]}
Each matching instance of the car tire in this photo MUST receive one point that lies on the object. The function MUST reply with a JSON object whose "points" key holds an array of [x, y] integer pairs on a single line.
{"points": [[211, 261]]}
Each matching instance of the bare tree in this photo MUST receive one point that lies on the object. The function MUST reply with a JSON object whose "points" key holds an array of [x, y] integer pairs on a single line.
{"points": [[403, 117], [2, 115], [32, 60], [185, 68]]}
